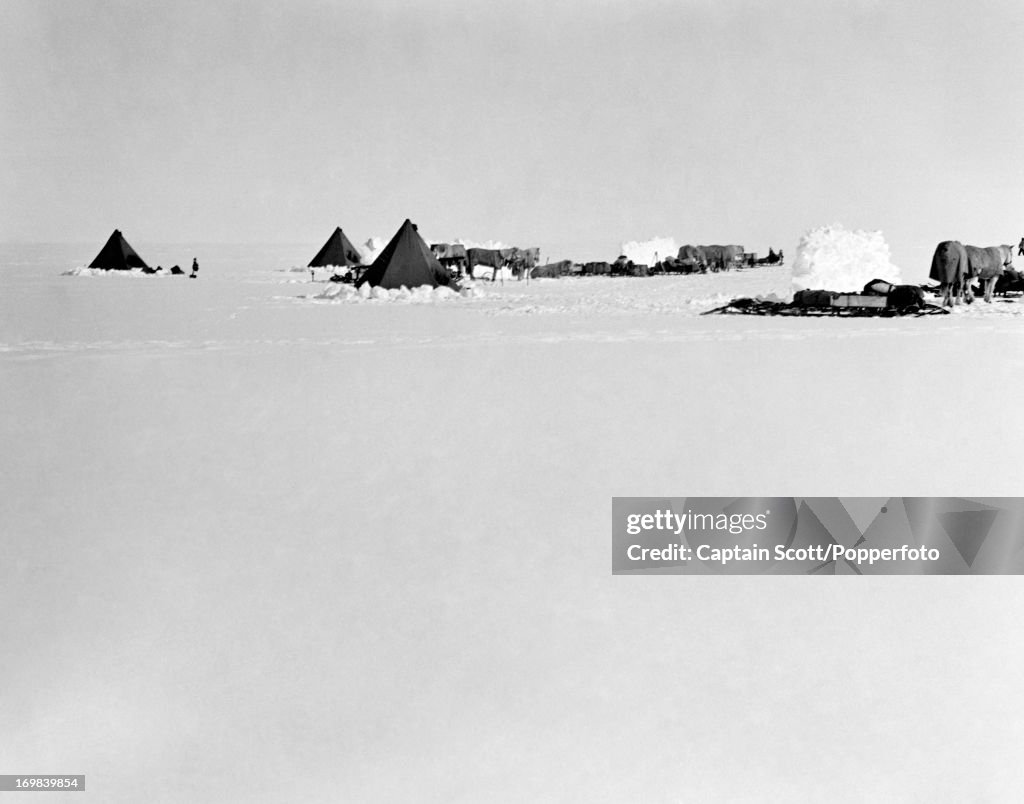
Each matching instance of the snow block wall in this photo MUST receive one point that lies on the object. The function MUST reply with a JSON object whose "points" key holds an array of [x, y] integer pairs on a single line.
{"points": [[835, 258], [648, 252], [371, 248]]}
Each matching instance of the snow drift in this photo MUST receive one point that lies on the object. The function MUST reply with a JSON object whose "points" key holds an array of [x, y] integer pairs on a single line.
{"points": [[425, 294], [835, 258], [133, 272]]}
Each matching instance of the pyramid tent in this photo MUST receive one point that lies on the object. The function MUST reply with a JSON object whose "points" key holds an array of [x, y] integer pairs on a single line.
{"points": [[407, 261], [117, 255], [336, 251]]}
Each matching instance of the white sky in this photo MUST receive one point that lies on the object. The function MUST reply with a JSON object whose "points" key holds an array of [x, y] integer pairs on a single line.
{"points": [[573, 126]]}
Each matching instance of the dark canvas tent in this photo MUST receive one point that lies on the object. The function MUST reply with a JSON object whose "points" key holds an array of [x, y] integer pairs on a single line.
{"points": [[407, 261], [117, 255], [336, 251]]}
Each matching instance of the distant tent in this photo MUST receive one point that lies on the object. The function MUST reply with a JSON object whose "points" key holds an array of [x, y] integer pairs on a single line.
{"points": [[336, 251], [407, 261], [117, 255]]}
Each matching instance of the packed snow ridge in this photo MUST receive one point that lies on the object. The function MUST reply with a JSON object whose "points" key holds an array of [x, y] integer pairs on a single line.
{"points": [[835, 258]]}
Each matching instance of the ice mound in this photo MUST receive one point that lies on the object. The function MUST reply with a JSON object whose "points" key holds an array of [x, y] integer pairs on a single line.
{"points": [[648, 252], [424, 294], [835, 258]]}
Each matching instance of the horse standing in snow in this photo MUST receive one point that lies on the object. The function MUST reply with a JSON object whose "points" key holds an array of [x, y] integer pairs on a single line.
{"points": [[951, 269], [988, 264]]}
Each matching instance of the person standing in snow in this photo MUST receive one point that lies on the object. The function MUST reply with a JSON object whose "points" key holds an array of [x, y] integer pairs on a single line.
{"points": [[195, 268]]}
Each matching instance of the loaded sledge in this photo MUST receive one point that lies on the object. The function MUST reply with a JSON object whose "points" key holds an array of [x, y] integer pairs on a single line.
{"points": [[879, 298]]}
